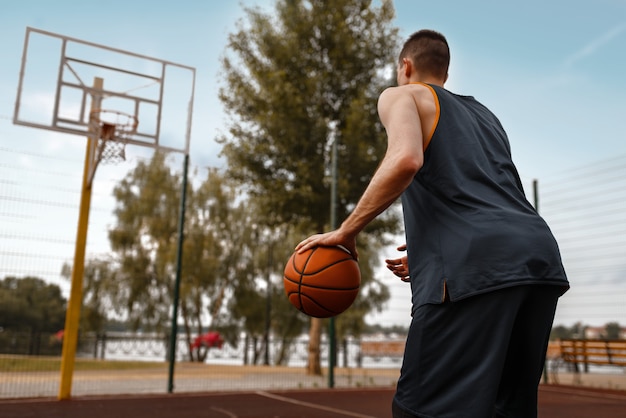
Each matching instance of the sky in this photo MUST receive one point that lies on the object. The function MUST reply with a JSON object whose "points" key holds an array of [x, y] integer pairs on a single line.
{"points": [[553, 71]]}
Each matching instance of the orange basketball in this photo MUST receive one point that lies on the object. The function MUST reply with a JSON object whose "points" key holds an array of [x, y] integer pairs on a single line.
{"points": [[323, 281]]}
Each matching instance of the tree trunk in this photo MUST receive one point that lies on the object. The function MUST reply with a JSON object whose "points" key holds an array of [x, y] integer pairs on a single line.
{"points": [[283, 352], [255, 351], [187, 327], [246, 342], [201, 352], [315, 336]]}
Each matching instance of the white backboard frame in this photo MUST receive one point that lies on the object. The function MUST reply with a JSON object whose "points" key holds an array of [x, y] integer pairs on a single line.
{"points": [[150, 89]]}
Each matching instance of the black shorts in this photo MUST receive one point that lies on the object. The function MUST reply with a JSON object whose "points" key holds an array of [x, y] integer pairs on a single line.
{"points": [[478, 357]]}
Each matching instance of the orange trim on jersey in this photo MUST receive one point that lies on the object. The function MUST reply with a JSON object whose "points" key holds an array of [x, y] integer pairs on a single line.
{"points": [[438, 112]]}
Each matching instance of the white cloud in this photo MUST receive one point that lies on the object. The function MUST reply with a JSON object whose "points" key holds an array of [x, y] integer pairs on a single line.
{"points": [[595, 44]]}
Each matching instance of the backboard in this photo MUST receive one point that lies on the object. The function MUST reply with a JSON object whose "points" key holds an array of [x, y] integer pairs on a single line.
{"points": [[57, 90]]}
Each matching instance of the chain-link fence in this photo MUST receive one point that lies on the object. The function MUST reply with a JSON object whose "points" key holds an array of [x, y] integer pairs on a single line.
{"points": [[39, 197]]}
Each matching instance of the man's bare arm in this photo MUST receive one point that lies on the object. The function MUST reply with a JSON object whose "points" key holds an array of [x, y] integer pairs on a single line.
{"points": [[403, 159]]}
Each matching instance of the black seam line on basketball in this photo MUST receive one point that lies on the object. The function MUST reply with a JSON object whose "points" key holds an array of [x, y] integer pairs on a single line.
{"points": [[313, 286], [301, 274], [308, 273], [320, 306]]}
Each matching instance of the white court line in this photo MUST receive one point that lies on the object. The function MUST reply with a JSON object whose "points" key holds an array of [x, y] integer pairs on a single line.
{"points": [[225, 412], [312, 405]]}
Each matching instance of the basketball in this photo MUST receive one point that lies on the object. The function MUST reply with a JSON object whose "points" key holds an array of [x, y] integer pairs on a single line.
{"points": [[322, 282]]}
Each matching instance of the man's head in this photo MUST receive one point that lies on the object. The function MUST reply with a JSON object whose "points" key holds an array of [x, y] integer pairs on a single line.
{"points": [[425, 56]]}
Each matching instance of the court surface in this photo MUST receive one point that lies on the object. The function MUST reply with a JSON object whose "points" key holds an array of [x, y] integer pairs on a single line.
{"points": [[554, 402]]}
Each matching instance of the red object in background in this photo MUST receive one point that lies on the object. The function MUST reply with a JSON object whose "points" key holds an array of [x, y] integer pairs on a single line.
{"points": [[59, 335], [210, 339]]}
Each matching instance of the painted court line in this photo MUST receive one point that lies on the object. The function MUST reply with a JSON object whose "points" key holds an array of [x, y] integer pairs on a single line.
{"points": [[312, 405], [225, 412]]}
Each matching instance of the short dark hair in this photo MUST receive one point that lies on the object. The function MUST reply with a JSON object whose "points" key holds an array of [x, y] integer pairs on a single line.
{"points": [[429, 52]]}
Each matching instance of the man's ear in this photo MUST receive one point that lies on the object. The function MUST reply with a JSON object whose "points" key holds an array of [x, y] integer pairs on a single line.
{"points": [[408, 67]]}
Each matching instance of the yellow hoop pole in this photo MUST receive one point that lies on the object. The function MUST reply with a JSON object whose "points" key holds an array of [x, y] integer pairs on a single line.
{"points": [[72, 315]]}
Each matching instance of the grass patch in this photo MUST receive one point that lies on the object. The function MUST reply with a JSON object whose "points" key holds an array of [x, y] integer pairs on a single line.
{"points": [[51, 364]]}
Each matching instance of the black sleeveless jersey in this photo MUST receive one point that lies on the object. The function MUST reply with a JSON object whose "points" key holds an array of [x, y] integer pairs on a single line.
{"points": [[469, 227]]}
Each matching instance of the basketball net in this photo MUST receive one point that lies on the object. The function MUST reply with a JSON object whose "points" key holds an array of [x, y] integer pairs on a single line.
{"points": [[113, 129]]}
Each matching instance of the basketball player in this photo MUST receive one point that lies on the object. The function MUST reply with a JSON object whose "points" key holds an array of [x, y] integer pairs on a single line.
{"points": [[484, 268]]}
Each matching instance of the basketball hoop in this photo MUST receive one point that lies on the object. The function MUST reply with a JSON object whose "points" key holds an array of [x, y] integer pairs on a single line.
{"points": [[112, 129]]}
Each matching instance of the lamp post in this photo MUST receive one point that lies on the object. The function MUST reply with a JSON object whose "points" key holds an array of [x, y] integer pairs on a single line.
{"points": [[333, 224], [268, 301]]}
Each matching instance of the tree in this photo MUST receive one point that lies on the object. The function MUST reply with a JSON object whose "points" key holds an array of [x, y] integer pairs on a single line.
{"points": [[612, 331], [294, 84], [560, 332], [31, 305], [144, 239], [218, 254], [258, 304], [99, 283]]}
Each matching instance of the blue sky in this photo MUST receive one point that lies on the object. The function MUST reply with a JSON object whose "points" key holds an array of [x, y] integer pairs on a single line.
{"points": [[553, 71]]}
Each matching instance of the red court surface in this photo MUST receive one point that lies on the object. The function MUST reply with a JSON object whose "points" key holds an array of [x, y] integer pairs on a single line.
{"points": [[554, 402]]}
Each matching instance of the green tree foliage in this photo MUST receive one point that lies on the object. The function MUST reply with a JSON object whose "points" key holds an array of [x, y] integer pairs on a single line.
{"points": [[217, 256], [612, 331], [29, 305], [560, 332], [268, 251], [296, 82], [99, 284], [144, 239], [222, 258]]}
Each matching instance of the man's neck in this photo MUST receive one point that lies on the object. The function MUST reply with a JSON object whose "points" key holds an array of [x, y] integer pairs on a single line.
{"points": [[427, 80]]}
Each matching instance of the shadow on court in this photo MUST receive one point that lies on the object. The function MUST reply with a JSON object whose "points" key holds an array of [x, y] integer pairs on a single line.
{"points": [[554, 402]]}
